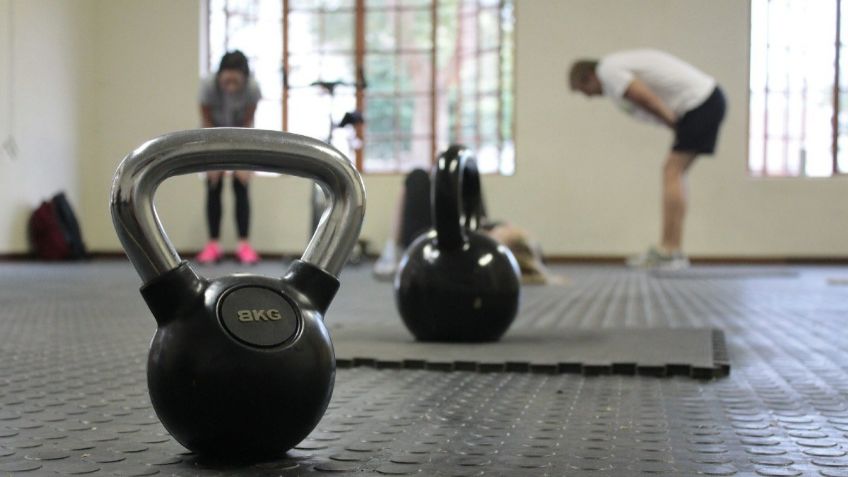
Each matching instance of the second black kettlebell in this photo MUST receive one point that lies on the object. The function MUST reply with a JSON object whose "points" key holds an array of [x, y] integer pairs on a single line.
{"points": [[241, 367], [454, 283]]}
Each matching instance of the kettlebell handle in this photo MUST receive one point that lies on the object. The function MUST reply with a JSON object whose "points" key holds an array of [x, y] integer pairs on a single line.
{"points": [[456, 196], [185, 152]]}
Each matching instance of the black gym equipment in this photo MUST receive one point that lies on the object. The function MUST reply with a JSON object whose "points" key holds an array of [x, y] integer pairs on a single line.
{"points": [[352, 118], [454, 283], [241, 366]]}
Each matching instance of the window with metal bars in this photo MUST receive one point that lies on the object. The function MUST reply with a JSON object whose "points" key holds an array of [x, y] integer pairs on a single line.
{"points": [[798, 89], [423, 74]]}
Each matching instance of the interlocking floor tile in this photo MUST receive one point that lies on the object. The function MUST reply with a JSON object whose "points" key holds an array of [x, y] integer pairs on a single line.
{"points": [[73, 397]]}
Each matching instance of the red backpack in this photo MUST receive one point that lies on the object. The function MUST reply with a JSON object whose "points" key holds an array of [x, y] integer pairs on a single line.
{"points": [[46, 235]]}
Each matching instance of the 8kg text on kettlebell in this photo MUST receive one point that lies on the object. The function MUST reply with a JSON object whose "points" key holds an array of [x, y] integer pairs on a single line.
{"points": [[259, 315]]}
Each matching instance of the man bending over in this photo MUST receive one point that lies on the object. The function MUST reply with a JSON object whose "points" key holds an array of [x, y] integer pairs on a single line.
{"points": [[655, 86]]}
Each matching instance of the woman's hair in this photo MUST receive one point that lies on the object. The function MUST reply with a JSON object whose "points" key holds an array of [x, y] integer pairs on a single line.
{"points": [[234, 60], [580, 72]]}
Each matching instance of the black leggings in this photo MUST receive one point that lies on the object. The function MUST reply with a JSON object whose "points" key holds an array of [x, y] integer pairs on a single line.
{"points": [[213, 208]]}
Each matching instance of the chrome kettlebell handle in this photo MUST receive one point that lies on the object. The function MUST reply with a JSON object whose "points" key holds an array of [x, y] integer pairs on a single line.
{"points": [[140, 173]]}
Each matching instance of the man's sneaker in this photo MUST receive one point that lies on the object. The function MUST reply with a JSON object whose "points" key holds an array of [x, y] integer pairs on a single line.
{"points": [[387, 263], [211, 253], [246, 255], [653, 258], [677, 261]]}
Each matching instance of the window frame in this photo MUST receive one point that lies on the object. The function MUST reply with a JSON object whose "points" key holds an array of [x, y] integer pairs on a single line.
{"points": [[360, 10], [836, 108]]}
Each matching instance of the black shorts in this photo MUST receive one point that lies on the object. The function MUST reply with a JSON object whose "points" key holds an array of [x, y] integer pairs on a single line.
{"points": [[697, 130]]}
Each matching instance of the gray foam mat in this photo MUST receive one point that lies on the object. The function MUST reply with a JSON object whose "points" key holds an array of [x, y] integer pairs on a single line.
{"points": [[73, 393], [724, 273], [647, 351]]}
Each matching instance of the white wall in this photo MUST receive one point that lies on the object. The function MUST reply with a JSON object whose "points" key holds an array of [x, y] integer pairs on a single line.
{"points": [[47, 58], [595, 173], [587, 180], [145, 77]]}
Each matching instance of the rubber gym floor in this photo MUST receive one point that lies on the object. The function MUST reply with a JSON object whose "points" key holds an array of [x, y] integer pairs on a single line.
{"points": [[73, 395]]}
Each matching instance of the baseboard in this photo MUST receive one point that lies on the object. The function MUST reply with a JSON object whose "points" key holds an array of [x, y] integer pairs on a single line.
{"points": [[708, 260], [120, 255], [554, 259], [15, 257], [115, 254]]}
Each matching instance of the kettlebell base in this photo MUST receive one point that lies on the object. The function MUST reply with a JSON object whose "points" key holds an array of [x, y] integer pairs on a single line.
{"points": [[440, 333], [458, 339], [244, 454], [447, 337]]}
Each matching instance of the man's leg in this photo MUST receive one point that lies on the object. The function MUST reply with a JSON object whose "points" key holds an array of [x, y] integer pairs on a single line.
{"points": [[674, 199]]}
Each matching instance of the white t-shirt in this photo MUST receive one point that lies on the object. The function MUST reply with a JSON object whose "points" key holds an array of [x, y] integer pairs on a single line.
{"points": [[681, 86]]}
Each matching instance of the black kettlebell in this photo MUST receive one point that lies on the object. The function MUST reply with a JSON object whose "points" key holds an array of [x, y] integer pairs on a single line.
{"points": [[454, 283], [242, 366]]}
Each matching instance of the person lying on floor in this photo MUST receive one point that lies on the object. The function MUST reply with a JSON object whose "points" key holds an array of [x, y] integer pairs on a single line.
{"points": [[412, 218]]}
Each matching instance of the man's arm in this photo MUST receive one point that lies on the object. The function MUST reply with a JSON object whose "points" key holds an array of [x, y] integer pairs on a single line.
{"points": [[640, 94], [206, 116]]}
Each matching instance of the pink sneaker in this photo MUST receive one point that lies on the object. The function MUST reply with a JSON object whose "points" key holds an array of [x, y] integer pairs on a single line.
{"points": [[245, 254], [211, 253]]}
